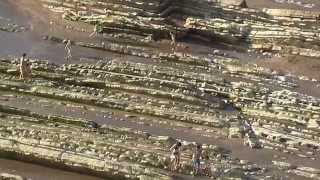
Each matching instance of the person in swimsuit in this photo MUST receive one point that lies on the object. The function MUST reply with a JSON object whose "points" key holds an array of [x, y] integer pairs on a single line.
{"points": [[196, 158], [23, 66], [173, 41], [68, 50], [175, 156]]}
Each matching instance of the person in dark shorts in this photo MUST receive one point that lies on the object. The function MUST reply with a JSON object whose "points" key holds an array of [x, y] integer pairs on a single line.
{"points": [[196, 159], [25, 68]]}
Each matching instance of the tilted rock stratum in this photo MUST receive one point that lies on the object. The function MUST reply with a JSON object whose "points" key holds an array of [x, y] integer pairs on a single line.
{"points": [[276, 30], [118, 117]]}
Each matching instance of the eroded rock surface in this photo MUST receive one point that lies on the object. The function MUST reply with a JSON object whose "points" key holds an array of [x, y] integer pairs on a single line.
{"points": [[116, 118]]}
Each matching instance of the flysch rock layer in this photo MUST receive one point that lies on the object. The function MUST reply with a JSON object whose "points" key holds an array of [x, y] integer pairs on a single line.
{"points": [[208, 95], [274, 30], [283, 119]]}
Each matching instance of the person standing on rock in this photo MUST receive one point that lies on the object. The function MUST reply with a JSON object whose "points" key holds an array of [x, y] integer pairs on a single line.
{"points": [[196, 159], [247, 127], [175, 156], [23, 66], [173, 41], [68, 50], [186, 50], [28, 69]]}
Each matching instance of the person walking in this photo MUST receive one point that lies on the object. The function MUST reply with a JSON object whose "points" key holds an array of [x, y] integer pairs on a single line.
{"points": [[175, 156], [68, 50], [196, 159]]}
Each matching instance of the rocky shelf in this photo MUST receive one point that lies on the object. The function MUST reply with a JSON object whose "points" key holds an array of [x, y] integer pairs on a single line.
{"points": [[270, 30], [117, 118], [284, 120]]}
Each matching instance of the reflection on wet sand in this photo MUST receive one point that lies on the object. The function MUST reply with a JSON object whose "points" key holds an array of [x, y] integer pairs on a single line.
{"points": [[36, 172]]}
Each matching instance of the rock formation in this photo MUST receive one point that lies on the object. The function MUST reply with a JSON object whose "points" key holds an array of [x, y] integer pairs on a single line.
{"points": [[60, 117], [275, 30]]}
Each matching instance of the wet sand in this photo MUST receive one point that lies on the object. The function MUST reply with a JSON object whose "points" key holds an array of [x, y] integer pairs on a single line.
{"points": [[36, 172], [27, 14], [298, 66], [274, 4]]}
